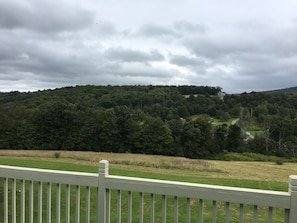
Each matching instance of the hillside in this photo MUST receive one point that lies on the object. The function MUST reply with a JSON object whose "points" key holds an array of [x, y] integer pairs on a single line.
{"points": [[190, 121], [285, 90]]}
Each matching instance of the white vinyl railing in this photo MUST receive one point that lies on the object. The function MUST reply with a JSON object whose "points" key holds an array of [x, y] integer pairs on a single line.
{"points": [[37, 195]]}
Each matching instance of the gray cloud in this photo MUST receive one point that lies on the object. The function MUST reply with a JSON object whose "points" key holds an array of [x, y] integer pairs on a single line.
{"points": [[44, 16], [179, 29], [252, 58], [140, 71], [153, 30], [103, 28], [186, 61], [127, 55], [188, 27]]}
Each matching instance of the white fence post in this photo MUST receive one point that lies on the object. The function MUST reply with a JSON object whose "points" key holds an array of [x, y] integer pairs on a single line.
{"points": [[293, 193], [102, 199]]}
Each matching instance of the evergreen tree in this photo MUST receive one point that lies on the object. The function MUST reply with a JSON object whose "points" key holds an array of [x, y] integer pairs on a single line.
{"points": [[234, 138]]}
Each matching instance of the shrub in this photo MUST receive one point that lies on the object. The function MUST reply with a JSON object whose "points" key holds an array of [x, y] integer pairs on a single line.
{"points": [[279, 162], [57, 155], [233, 156]]}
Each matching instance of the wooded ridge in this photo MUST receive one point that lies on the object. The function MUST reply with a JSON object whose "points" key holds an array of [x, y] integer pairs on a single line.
{"points": [[190, 121]]}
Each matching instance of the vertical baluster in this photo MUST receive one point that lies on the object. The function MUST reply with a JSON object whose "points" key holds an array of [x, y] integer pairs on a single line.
{"points": [[119, 212], [175, 209], [129, 207], [23, 189], [227, 210], [286, 215], [163, 208], [201, 204], [255, 213], [31, 201], [241, 213], [67, 211], [39, 202], [140, 207], [99, 212], [13, 201], [188, 210], [5, 200], [88, 201], [270, 211], [108, 205], [152, 218], [214, 211], [58, 203], [77, 205], [49, 202]]}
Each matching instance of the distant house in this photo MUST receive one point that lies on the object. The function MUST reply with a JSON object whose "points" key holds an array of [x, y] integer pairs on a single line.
{"points": [[248, 136], [221, 94]]}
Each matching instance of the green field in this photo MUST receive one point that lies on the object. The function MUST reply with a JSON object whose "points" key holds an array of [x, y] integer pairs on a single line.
{"points": [[127, 167]]}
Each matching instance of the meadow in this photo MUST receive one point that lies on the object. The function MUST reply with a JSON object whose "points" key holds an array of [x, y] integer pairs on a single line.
{"points": [[249, 174]]}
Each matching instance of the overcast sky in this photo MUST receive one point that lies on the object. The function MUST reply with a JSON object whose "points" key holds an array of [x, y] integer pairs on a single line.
{"points": [[241, 46]]}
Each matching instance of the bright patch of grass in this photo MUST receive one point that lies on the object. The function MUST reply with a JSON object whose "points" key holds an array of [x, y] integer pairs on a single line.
{"points": [[44, 164]]}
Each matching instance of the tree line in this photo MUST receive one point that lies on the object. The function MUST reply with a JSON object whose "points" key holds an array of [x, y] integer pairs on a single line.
{"points": [[190, 121]]}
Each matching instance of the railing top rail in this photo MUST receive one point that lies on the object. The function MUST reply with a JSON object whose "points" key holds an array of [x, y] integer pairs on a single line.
{"points": [[203, 191], [45, 175], [192, 190]]}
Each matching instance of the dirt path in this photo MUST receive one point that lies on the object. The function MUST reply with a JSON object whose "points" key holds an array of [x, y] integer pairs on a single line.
{"points": [[234, 121]]}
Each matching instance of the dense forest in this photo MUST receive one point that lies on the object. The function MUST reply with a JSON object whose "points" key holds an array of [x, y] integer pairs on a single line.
{"points": [[190, 121]]}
